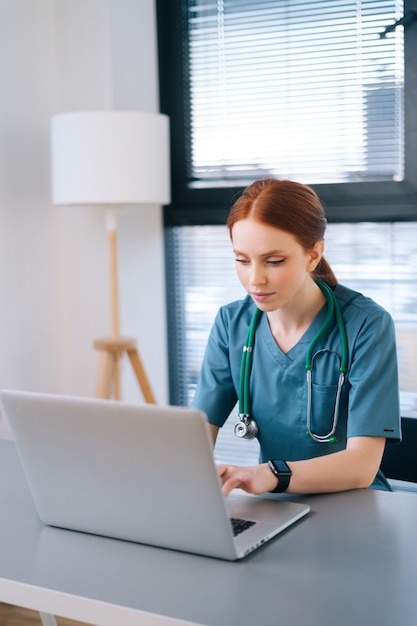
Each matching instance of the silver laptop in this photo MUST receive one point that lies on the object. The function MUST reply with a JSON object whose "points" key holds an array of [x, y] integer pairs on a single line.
{"points": [[138, 472]]}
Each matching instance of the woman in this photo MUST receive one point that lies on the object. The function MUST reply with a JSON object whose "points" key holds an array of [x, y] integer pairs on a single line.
{"points": [[277, 231]]}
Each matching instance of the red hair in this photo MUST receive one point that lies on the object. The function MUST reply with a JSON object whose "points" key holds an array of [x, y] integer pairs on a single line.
{"points": [[290, 206]]}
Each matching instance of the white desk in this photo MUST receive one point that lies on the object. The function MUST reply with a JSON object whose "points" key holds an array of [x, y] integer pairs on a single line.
{"points": [[352, 561]]}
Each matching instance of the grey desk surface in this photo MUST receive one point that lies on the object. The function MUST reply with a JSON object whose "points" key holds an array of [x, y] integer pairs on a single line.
{"points": [[353, 560]]}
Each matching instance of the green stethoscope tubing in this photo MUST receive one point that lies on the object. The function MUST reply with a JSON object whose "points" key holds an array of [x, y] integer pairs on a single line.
{"points": [[333, 310]]}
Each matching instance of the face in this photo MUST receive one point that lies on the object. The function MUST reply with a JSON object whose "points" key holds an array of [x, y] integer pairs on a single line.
{"points": [[270, 263]]}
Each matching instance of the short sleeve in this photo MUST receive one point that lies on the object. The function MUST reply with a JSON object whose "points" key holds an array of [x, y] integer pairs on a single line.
{"points": [[374, 407], [216, 394]]}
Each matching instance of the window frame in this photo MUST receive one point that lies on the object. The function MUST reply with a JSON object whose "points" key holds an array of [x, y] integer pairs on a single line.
{"points": [[344, 202]]}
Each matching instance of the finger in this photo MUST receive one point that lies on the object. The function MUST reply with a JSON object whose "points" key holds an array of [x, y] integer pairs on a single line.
{"points": [[237, 481], [226, 490], [225, 471], [221, 469], [229, 485]]}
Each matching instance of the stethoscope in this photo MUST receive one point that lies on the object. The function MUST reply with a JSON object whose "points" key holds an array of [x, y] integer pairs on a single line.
{"points": [[247, 427]]}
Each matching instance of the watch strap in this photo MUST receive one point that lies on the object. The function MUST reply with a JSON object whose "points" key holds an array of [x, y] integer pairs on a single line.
{"points": [[283, 473]]}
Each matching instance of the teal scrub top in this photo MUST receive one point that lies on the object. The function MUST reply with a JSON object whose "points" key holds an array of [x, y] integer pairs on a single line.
{"points": [[369, 404]]}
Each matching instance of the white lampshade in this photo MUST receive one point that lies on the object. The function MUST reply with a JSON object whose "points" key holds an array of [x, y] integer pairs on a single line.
{"points": [[110, 157]]}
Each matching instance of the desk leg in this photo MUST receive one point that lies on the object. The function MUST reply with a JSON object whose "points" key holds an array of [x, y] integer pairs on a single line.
{"points": [[47, 619]]}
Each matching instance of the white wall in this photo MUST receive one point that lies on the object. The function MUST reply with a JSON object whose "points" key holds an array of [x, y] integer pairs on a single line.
{"points": [[57, 56]]}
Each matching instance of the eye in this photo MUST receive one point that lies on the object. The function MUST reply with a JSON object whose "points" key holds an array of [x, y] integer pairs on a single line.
{"points": [[242, 261], [275, 261]]}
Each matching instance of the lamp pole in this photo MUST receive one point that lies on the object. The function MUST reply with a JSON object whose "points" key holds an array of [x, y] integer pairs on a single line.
{"points": [[111, 223]]}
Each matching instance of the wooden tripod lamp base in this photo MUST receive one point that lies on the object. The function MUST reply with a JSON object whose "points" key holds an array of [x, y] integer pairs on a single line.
{"points": [[108, 380]]}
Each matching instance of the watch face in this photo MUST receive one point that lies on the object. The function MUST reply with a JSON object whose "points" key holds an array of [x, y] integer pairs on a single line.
{"points": [[282, 468]]}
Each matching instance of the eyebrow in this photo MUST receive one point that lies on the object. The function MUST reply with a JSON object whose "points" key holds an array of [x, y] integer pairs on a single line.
{"points": [[266, 254]]}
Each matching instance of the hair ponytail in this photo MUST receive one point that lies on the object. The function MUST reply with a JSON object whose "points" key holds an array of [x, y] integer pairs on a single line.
{"points": [[325, 273]]}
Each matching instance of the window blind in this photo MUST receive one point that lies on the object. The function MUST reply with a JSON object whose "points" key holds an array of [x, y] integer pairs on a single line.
{"points": [[306, 90]]}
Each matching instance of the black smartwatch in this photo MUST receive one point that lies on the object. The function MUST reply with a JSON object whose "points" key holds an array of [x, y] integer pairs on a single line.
{"points": [[281, 470]]}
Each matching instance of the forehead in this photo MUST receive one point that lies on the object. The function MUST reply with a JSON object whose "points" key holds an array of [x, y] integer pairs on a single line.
{"points": [[250, 234]]}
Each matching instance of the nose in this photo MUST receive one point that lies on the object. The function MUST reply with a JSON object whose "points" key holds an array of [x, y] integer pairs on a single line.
{"points": [[257, 275]]}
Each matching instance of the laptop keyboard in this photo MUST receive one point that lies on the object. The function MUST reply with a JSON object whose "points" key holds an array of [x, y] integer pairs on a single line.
{"points": [[239, 525]]}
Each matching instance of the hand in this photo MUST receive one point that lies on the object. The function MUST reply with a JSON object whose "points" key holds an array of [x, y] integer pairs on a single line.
{"points": [[254, 479]]}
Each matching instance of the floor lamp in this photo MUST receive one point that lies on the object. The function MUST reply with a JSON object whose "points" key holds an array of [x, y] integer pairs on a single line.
{"points": [[112, 159]]}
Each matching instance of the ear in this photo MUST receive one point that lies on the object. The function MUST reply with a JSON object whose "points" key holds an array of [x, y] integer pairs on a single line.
{"points": [[315, 255]]}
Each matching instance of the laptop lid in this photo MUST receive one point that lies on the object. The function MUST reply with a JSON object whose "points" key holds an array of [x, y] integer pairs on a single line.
{"points": [[138, 472]]}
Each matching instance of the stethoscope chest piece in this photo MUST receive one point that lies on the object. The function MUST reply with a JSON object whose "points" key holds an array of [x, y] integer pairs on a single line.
{"points": [[246, 428]]}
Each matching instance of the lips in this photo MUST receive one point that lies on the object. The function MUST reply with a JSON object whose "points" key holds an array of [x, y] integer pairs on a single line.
{"points": [[261, 297]]}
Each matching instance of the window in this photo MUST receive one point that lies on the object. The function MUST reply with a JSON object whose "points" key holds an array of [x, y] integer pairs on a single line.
{"points": [[294, 89], [303, 89]]}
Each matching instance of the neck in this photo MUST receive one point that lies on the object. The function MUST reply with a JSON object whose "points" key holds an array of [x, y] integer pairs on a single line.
{"points": [[289, 323]]}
